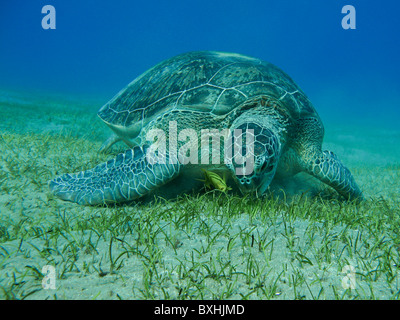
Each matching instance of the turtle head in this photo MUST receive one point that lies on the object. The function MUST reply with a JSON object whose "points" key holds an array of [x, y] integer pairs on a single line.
{"points": [[256, 153]]}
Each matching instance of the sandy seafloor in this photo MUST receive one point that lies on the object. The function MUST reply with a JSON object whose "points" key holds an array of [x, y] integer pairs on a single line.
{"points": [[44, 136]]}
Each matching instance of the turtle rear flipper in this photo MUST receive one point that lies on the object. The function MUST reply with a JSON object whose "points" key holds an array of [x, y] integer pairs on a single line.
{"points": [[329, 169], [126, 177]]}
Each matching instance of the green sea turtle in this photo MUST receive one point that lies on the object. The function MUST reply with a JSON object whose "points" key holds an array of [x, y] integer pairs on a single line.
{"points": [[218, 92]]}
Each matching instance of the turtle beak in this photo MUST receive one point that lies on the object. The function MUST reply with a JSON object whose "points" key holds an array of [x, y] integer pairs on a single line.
{"points": [[256, 184], [248, 187]]}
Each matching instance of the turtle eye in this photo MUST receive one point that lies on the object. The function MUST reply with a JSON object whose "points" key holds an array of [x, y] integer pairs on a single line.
{"points": [[266, 167]]}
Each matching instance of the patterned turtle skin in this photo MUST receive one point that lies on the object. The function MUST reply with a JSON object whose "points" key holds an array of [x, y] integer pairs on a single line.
{"points": [[208, 91]]}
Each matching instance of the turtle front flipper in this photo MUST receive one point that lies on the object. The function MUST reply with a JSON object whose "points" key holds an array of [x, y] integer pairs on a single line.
{"points": [[109, 143], [128, 176], [329, 169]]}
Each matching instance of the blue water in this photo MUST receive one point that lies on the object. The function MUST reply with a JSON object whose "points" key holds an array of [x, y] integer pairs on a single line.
{"points": [[98, 47]]}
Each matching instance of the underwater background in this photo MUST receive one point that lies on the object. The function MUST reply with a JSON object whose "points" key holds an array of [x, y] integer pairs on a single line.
{"points": [[52, 82], [98, 47]]}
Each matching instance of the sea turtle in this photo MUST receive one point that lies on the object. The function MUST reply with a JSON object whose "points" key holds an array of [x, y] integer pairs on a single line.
{"points": [[219, 92]]}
